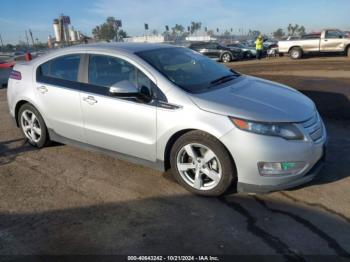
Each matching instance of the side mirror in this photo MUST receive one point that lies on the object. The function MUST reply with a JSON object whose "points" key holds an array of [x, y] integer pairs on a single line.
{"points": [[124, 88]]}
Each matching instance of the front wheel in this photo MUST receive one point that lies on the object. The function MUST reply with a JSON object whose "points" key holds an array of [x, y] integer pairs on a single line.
{"points": [[33, 126], [202, 164], [348, 52]]}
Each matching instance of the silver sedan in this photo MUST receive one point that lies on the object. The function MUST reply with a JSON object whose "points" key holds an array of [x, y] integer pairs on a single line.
{"points": [[171, 108]]}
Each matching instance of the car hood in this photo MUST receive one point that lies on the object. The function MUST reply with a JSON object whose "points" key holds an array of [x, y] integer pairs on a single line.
{"points": [[256, 99]]}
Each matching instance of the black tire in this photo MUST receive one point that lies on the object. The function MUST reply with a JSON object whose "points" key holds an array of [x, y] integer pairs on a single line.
{"points": [[224, 59], [44, 137], [348, 51], [296, 53], [227, 165]]}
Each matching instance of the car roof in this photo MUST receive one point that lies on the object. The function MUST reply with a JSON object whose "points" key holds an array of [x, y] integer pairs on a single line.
{"points": [[124, 47]]}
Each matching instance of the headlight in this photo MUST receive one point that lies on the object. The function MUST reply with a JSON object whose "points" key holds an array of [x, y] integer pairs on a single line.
{"points": [[285, 130]]}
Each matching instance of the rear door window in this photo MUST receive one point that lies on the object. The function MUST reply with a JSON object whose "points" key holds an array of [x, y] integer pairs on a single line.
{"points": [[61, 71], [65, 67]]}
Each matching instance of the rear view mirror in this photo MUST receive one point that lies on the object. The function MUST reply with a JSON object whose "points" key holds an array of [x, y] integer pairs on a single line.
{"points": [[124, 88]]}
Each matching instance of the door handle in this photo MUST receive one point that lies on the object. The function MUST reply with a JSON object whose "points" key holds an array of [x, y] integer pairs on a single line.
{"points": [[90, 100], [42, 89]]}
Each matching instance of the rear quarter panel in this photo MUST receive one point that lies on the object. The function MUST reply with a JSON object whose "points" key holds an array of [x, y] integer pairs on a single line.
{"points": [[18, 90]]}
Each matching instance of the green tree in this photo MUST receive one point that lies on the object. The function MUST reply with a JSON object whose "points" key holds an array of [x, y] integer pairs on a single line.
{"points": [[108, 30], [195, 26], [254, 33], [177, 30], [210, 33], [279, 33]]}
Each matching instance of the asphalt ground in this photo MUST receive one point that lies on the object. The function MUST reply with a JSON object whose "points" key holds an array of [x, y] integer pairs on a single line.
{"points": [[62, 200]]}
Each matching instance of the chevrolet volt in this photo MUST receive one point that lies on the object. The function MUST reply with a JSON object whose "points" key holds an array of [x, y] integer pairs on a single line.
{"points": [[170, 108]]}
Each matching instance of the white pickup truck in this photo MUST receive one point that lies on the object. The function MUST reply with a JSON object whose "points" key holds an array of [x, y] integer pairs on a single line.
{"points": [[328, 41]]}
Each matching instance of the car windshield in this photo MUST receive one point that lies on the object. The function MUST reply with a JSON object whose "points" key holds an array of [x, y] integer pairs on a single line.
{"points": [[188, 69]]}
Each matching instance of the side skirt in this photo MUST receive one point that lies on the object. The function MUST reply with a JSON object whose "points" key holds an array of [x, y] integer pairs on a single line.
{"points": [[158, 165]]}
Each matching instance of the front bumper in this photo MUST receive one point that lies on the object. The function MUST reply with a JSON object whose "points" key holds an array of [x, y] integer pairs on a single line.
{"points": [[313, 172], [248, 149]]}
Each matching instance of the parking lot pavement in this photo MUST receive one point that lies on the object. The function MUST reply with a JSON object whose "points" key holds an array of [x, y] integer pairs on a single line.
{"points": [[64, 200]]}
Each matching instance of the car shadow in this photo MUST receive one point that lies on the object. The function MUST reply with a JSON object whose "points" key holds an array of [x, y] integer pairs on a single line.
{"points": [[11, 149], [332, 106], [169, 225], [323, 55]]}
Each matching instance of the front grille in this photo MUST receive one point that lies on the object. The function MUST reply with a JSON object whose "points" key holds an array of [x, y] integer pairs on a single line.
{"points": [[314, 127]]}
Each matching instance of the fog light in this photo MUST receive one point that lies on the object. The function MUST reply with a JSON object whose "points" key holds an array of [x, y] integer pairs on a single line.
{"points": [[280, 168]]}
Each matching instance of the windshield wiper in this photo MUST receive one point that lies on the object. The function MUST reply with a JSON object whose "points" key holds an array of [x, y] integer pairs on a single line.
{"points": [[223, 79]]}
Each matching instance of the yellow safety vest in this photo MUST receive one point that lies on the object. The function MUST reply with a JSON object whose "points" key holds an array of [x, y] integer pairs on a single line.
{"points": [[259, 44]]}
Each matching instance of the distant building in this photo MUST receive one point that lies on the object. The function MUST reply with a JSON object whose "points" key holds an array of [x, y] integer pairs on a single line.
{"points": [[65, 33], [145, 39], [200, 38]]}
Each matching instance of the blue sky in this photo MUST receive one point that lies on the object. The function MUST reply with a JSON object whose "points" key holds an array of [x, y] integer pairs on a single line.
{"points": [[264, 15]]}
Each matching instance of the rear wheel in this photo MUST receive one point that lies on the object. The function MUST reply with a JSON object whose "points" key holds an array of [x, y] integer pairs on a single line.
{"points": [[33, 126], [202, 164], [226, 57], [296, 53], [348, 51]]}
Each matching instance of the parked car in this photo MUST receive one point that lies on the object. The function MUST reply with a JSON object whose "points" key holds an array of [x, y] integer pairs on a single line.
{"points": [[19, 55], [291, 37], [217, 51], [170, 107], [311, 36], [330, 41], [247, 51]]}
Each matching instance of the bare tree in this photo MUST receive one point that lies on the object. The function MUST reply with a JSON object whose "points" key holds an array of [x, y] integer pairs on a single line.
{"points": [[295, 30]]}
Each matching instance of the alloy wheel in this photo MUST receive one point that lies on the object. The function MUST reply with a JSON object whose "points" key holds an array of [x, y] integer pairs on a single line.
{"points": [[31, 126], [199, 166], [295, 54], [226, 58]]}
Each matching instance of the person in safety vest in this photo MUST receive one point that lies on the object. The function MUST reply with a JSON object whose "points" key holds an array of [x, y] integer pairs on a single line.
{"points": [[259, 46]]}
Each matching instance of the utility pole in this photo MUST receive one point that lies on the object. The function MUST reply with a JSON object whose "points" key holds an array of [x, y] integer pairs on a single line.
{"points": [[27, 39], [146, 31], [31, 36], [2, 44]]}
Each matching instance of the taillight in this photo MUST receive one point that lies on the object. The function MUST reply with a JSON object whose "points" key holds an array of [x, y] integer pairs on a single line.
{"points": [[15, 75]]}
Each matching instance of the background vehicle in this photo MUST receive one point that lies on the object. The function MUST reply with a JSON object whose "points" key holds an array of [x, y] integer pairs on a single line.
{"points": [[247, 51], [291, 37], [217, 51], [170, 107], [329, 41]]}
